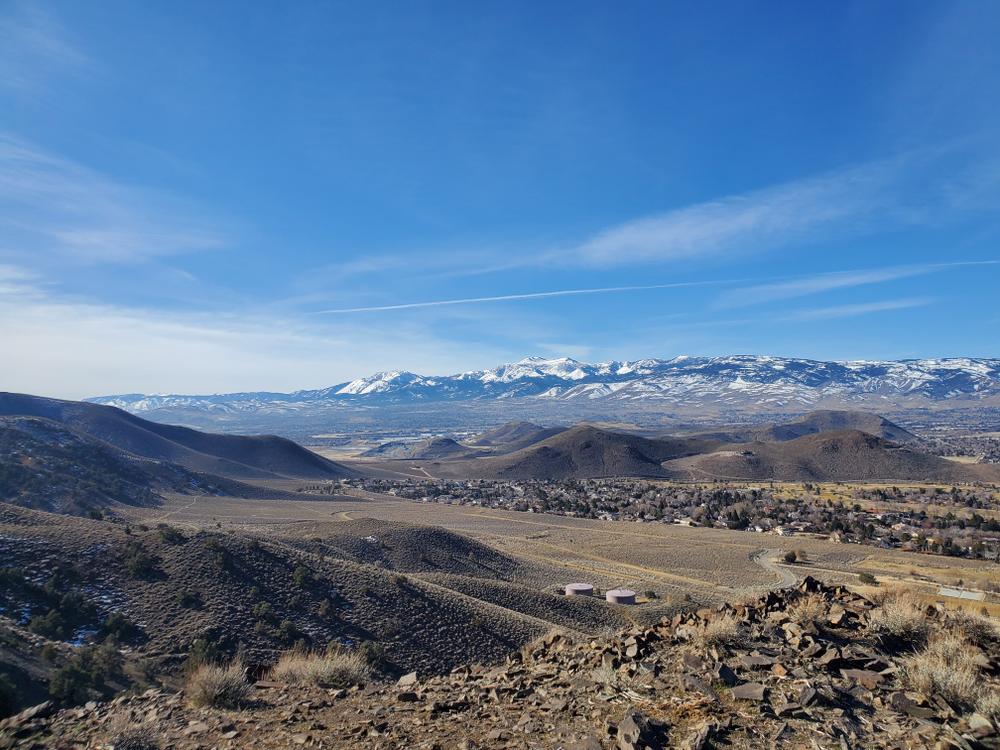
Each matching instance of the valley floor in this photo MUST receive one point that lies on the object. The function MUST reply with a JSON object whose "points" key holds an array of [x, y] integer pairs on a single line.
{"points": [[677, 563]]}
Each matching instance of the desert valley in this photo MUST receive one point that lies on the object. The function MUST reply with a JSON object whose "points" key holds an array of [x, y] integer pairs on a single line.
{"points": [[139, 556], [499, 376]]}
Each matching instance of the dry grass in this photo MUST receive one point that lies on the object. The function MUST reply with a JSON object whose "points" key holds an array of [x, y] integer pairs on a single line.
{"points": [[218, 686], [333, 669], [808, 609], [721, 631], [901, 616], [977, 628], [126, 734], [989, 706], [946, 667]]}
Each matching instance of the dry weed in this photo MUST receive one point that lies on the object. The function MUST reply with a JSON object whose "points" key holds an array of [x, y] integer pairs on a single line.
{"points": [[332, 669], [126, 734], [218, 686], [977, 628], [946, 666], [989, 705], [900, 615], [720, 631], [808, 609]]}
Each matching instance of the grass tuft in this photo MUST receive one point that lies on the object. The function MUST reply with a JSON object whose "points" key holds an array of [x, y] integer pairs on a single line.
{"points": [[979, 629], [218, 686], [720, 631], [900, 616], [946, 667], [126, 734], [808, 609], [332, 669]]}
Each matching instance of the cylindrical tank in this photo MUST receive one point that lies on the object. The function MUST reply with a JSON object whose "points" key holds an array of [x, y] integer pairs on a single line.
{"points": [[579, 589], [620, 596]]}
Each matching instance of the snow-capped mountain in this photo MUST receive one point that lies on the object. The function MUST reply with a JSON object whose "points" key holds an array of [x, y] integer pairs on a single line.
{"points": [[775, 382]]}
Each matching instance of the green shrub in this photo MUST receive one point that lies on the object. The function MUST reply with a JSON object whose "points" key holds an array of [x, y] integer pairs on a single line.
{"points": [[287, 631], [8, 696], [118, 626], [301, 576], [50, 625], [170, 534], [188, 599], [85, 673], [138, 562], [867, 579], [202, 651]]}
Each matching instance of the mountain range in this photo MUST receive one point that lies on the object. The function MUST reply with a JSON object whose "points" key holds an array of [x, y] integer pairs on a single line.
{"points": [[778, 383]]}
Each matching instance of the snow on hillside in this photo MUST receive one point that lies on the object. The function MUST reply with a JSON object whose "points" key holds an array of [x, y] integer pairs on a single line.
{"points": [[736, 379]]}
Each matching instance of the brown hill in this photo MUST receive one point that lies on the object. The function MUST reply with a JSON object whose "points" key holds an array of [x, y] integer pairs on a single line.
{"points": [[429, 449], [582, 452], [825, 420], [513, 436], [409, 597], [235, 456], [841, 456]]}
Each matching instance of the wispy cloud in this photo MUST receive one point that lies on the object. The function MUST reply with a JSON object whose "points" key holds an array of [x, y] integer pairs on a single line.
{"points": [[33, 43], [55, 206], [74, 348], [749, 222], [862, 308], [826, 282]]}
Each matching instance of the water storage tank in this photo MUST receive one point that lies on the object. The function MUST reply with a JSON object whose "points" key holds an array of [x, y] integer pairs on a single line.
{"points": [[579, 589], [620, 596]]}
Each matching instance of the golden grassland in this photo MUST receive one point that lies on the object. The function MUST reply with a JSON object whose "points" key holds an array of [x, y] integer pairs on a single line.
{"points": [[675, 562]]}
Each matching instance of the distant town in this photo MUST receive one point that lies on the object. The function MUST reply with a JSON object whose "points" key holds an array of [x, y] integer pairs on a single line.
{"points": [[957, 521]]}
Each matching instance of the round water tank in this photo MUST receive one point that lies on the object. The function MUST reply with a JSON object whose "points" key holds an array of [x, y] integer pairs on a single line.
{"points": [[620, 596], [579, 589]]}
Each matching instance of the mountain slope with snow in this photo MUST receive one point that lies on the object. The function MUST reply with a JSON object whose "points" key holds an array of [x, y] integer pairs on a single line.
{"points": [[733, 381]]}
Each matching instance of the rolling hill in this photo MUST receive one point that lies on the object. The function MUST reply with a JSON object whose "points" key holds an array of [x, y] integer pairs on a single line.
{"points": [[841, 456], [825, 420], [429, 449], [233, 456], [582, 452], [513, 436], [46, 466]]}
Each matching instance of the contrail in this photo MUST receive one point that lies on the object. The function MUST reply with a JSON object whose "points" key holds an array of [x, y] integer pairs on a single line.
{"points": [[835, 275], [532, 295]]}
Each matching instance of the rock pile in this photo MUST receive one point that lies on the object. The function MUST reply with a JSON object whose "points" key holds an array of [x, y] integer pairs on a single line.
{"points": [[796, 668]]}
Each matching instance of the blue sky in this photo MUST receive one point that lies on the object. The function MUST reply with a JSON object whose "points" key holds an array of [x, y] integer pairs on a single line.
{"points": [[205, 197]]}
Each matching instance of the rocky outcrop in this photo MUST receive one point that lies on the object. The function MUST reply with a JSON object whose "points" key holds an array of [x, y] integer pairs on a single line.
{"points": [[795, 668]]}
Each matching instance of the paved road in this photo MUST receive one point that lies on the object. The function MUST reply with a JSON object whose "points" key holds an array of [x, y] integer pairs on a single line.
{"points": [[765, 560]]}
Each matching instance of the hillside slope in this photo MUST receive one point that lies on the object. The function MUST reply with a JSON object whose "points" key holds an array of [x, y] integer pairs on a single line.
{"points": [[799, 668], [428, 449], [235, 456], [582, 452], [839, 456], [513, 436], [824, 420]]}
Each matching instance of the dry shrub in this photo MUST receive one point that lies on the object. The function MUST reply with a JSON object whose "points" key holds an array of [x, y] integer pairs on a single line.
{"points": [[806, 609], [979, 629], [218, 686], [901, 616], [725, 630], [333, 669], [126, 734], [946, 666], [989, 705]]}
